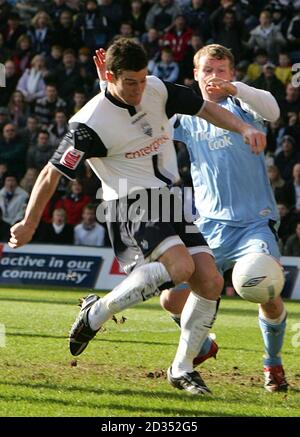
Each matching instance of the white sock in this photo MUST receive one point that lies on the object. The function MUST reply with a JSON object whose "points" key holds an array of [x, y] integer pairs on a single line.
{"points": [[197, 318], [140, 285]]}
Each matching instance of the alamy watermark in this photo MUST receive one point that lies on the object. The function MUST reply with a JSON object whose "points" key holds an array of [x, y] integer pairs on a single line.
{"points": [[2, 335], [147, 205], [2, 76], [296, 337]]}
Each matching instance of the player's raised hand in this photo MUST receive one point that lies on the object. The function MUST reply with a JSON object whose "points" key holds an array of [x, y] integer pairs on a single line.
{"points": [[255, 138], [21, 233], [216, 84], [99, 60]]}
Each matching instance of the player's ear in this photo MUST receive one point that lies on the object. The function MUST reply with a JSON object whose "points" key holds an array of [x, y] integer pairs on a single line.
{"points": [[196, 74], [109, 76]]}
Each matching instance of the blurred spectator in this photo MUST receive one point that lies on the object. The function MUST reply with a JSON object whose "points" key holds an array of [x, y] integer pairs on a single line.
{"points": [[286, 159], [162, 15], [65, 27], [54, 58], [187, 67], [57, 7], [41, 33], [27, 9], [4, 51], [269, 82], [13, 30], [11, 80], [293, 36], [292, 245], [113, 12], [291, 101], [287, 222], [74, 203], [89, 232], [293, 189], [4, 230], [267, 36], [85, 60], [151, 43], [18, 109], [23, 54], [241, 72], [57, 232], [78, 101], [30, 132], [45, 108], [4, 118], [3, 171], [137, 16], [93, 25], [90, 182], [39, 154], [13, 150], [5, 10], [12, 200], [59, 128], [280, 18], [293, 127], [275, 132], [178, 38], [67, 75], [255, 69], [29, 179], [284, 71], [227, 30], [32, 83], [166, 69], [126, 30], [197, 18], [280, 187]]}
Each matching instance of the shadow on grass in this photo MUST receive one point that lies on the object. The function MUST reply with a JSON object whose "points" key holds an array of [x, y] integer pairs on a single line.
{"points": [[98, 339], [141, 305]]}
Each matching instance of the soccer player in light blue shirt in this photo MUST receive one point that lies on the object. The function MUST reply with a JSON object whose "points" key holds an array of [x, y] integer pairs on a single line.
{"points": [[232, 193]]}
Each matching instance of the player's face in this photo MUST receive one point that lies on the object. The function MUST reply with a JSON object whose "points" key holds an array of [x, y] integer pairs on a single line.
{"points": [[129, 86], [209, 68]]}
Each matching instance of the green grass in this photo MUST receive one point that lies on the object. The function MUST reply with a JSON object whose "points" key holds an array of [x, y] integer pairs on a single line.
{"points": [[122, 372]]}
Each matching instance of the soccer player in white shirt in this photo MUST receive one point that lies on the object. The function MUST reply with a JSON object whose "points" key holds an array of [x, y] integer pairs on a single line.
{"points": [[233, 195], [124, 134]]}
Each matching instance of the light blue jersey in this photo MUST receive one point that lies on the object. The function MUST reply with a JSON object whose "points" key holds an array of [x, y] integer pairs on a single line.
{"points": [[237, 197]]}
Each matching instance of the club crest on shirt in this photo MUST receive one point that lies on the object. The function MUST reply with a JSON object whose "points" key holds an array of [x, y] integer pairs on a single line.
{"points": [[146, 128], [71, 158]]}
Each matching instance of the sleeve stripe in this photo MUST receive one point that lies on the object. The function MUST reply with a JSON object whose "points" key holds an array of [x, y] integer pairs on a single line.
{"points": [[60, 168]]}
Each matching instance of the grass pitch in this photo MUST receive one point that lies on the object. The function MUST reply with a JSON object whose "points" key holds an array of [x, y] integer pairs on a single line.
{"points": [[122, 372]]}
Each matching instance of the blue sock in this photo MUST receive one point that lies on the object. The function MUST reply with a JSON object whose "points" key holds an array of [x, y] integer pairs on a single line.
{"points": [[207, 342], [273, 334]]}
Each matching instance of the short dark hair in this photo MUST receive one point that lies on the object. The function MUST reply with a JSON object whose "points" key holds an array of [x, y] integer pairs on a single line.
{"points": [[125, 54]]}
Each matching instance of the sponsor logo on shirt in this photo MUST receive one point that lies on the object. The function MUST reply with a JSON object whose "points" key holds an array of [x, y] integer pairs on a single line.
{"points": [[71, 158], [152, 148], [215, 142]]}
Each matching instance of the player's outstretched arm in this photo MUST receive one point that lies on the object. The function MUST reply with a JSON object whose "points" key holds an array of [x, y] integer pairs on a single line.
{"points": [[44, 188], [219, 116]]}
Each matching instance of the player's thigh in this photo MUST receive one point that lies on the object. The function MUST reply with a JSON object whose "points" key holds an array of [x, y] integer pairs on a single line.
{"points": [[178, 262]]}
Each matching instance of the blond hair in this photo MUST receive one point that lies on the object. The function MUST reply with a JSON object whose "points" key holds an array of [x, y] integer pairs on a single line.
{"points": [[214, 51]]}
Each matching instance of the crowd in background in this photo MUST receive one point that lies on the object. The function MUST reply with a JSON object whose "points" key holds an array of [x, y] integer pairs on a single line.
{"points": [[47, 46]]}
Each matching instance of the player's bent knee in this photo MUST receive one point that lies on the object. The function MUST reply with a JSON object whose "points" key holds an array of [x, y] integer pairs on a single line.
{"points": [[182, 270], [212, 287]]}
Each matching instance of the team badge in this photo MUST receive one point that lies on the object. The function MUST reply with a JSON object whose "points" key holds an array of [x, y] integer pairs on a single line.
{"points": [[71, 158]]}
